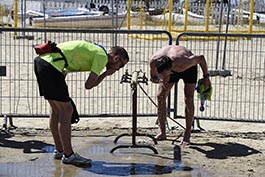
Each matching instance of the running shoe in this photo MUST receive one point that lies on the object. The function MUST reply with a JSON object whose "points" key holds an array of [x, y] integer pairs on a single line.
{"points": [[57, 154], [77, 160]]}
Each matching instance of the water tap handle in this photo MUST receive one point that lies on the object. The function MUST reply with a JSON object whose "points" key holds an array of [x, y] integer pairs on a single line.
{"points": [[135, 77], [145, 79], [126, 77]]}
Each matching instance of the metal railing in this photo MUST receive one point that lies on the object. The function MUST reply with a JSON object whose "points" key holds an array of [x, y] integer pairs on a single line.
{"points": [[19, 93], [236, 62], [237, 67]]}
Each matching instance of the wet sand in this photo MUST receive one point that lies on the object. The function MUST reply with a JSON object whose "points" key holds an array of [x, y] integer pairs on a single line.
{"points": [[223, 149]]}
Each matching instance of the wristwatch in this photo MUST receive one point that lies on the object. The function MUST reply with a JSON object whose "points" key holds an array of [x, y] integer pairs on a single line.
{"points": [[206, 75]]}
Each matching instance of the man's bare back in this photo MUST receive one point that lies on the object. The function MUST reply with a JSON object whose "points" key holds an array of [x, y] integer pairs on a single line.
{"points": [[172, 51], [180, 57]]}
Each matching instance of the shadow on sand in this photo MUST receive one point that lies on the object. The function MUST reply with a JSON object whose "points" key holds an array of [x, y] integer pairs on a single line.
{"points": [[31, 146], [223, 151]]}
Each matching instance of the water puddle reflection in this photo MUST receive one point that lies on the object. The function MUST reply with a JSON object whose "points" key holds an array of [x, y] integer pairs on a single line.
{"points": [[104, 164]]}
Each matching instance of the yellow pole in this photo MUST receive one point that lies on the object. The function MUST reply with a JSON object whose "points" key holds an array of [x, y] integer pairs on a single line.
{"points": [[208, 2], [129, 14], [170, 15], [239, 14], [186, 14], [141, 15], [1, 16], [251, 16], [15, 13]]}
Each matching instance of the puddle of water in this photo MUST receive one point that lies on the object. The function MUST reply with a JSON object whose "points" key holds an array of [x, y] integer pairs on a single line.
{"points": [[53, 168], [127, 169], [128, 162], [48, 149], [50, 167]]}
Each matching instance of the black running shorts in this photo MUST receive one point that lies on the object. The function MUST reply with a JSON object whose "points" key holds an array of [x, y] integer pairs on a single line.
{"points": [[51, 82], [189, 76]]}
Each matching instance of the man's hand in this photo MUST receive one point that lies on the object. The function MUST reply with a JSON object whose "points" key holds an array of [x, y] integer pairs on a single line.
{"points": [[206, 82], [165, 78], [155, 79], [110, 71]]}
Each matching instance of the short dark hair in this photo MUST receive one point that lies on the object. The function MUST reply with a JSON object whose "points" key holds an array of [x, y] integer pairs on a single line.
{"points": [[162, 63], [117, 50]]}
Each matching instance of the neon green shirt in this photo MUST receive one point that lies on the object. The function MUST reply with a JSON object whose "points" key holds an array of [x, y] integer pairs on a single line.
{"points": [[80, 55]]}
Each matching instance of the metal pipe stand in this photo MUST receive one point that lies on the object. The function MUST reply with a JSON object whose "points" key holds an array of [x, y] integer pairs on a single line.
{"points": [[134, 80]]}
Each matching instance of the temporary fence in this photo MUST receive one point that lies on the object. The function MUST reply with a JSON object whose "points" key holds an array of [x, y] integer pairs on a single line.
{"points": [[175, 17], [237, 74], [19, 93], [237, 69]]}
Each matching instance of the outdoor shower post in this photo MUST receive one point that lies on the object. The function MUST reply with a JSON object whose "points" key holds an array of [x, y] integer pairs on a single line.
{"points": [[134, 79]]}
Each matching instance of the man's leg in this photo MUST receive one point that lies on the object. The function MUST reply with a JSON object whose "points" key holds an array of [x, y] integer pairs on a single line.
{"points": [[63, 129], [189, 110], [162, 109], [62, 134], [54, 116]]}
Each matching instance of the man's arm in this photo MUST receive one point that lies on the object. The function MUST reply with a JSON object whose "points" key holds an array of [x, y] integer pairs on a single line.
{"points": [[184, 63], [200, 59], [93, 79], [153, 72]]}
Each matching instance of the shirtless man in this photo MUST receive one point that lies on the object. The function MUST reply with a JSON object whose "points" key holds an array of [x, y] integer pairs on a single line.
{"points": [[167, 66]]}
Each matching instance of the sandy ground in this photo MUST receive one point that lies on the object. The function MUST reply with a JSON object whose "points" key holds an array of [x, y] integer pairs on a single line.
{"points": [[222, 149]]}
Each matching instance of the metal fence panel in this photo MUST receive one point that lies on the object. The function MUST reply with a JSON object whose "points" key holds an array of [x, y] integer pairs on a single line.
{"points": [[241, 96], [18, 87]]}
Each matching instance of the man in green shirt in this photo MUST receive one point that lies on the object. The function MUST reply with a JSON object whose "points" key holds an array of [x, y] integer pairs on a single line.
{"points": [[50, 69]]}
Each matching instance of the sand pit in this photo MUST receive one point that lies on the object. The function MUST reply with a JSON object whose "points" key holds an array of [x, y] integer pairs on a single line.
{"points": [[223, 149]]}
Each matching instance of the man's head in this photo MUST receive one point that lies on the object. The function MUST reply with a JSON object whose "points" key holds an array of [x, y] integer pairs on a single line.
{"points": [[163, 66], [118, 58], [163, 63]]}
